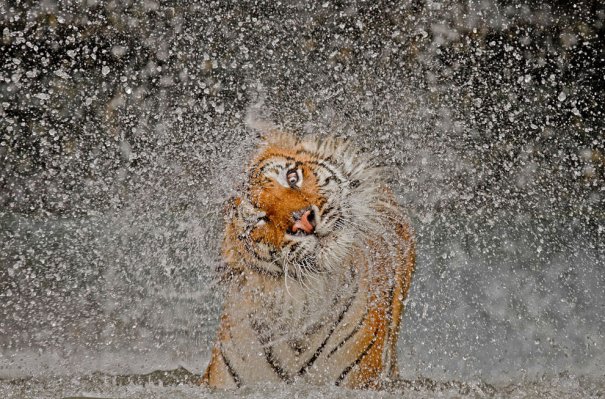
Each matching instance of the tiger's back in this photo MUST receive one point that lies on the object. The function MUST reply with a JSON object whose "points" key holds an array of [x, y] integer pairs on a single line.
{"points": [[320, 260]]}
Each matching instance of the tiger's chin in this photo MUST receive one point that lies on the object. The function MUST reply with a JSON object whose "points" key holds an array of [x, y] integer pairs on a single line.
{"points": [[320, 254], [302, 261]]}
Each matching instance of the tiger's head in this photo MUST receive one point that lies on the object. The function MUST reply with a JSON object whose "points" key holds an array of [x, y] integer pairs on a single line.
{"points": [[306, 203]]}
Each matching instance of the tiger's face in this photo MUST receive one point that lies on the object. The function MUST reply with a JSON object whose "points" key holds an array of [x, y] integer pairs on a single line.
{"points": [[302, 209]]}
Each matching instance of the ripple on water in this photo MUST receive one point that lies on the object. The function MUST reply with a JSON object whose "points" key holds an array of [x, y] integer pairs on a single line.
{"points": [[180, 383]]}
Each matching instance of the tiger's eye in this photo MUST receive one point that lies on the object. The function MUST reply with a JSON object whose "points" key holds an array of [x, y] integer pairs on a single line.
{"points": [[292, 178]]}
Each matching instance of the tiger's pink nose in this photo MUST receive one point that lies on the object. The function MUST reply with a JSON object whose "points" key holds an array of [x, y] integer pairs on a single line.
{"points": [[306, 222]]}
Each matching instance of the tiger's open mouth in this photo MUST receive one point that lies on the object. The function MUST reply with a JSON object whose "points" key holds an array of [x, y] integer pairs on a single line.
{"points": [[299, 233]]}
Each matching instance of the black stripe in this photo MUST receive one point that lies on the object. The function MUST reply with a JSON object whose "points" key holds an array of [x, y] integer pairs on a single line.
{"points": [[390, 305], [261, 329], [313, 328], [293, 272], [308, 263], [321, 347], [263, 338], [266, 158], [336, 215], [339, 223], [346, 371], [327, 210], [251, 265], [263, 168], [329, 169], [281, 373], [295, 253], [250, 248], [326, 182], [260, 161], [232, 373], [330, 159], [258, 256], [294, 246], [266, 272], [351, 334]]}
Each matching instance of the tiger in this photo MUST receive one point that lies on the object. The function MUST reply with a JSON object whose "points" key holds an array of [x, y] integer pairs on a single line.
{"points": [[318, 259]]}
